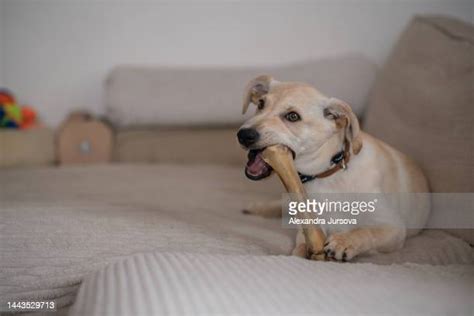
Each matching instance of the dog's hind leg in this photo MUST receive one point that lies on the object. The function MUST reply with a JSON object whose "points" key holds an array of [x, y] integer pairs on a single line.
{"points": [[270, 209]]}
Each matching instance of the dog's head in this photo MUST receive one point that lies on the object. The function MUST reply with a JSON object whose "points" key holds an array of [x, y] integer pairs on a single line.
{"points": [[295, 115]]}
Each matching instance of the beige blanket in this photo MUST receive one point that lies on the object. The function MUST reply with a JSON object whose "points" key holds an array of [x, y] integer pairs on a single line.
{"points": [[59, 224]]}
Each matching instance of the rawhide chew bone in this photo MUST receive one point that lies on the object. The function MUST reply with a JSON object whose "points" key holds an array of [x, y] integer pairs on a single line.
{"points": [[280, 158]]}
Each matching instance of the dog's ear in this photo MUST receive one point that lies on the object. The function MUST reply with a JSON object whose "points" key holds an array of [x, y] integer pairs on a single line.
{"points": [[255, 90], [344, 117]]}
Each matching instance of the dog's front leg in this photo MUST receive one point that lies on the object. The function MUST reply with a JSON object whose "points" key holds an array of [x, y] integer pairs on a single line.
{"points": [[269, 209], [346, 245]]}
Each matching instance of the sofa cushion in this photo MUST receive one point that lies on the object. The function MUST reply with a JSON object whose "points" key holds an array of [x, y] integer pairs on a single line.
{"points": [[423, 101], [202, 96], [179, 145], [31, 147], [60, 224]]}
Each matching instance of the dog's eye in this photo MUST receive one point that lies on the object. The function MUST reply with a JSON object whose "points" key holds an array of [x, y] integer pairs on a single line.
{"points": [[292, 116], [261, 104]]}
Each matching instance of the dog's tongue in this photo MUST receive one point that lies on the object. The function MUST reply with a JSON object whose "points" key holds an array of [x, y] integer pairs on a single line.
{"points": [[257, 165], [257, 168]]}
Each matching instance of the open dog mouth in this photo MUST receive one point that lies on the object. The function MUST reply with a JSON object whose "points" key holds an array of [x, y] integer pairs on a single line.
{"points": [[257, 168]]}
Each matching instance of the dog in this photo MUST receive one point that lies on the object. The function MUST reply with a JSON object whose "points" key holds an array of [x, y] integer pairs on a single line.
{"points": [[333, 155]]}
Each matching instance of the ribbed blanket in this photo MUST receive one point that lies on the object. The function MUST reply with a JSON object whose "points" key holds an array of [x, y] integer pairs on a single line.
{"points": [[191, 284]]}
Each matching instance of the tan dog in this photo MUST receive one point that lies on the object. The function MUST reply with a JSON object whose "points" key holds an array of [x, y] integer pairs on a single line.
{"points": [[316, 128]]}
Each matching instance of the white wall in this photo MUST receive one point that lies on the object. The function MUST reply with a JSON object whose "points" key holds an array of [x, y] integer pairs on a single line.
{"points": [[56, 53], [1, 44]]}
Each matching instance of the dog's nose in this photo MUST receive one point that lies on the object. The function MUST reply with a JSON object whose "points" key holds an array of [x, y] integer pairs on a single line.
{"points": [[248, 136]]}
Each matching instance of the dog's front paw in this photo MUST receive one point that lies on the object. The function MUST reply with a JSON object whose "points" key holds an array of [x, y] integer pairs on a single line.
{"points": [[340, 247]]}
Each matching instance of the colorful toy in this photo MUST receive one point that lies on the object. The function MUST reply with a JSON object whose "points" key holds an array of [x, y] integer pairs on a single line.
{"points": [[6, 96], [13, 115], [29, 117]]}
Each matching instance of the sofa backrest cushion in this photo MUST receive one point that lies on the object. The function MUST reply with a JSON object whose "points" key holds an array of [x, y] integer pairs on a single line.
{"points": [[423, 101], [179, 145], [179, 96]]}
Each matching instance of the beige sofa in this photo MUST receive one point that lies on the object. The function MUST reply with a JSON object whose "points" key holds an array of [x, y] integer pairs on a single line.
{"points": [[174, 194]]}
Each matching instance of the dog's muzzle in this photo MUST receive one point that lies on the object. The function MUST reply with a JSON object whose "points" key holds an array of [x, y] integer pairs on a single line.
{"points": [[256, 167]]}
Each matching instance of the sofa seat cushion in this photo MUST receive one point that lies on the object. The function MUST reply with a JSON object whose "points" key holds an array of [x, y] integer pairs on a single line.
{"points": [[59, 224]]}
